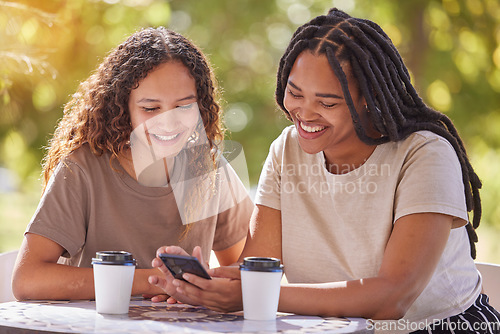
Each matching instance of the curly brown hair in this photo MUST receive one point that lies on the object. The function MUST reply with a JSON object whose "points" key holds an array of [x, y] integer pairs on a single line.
{"points": [[98, 112]]}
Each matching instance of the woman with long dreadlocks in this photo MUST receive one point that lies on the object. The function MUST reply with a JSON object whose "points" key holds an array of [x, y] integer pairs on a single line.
{"points": [[134, 164], [365, 198]]}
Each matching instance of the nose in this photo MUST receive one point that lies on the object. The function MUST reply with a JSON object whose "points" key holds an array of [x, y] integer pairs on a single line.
{"points": [[168, 120], [302, 109], [307, 114]]}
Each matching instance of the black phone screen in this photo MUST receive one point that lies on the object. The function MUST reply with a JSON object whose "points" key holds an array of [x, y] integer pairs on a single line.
{"points": [[180, 264]]}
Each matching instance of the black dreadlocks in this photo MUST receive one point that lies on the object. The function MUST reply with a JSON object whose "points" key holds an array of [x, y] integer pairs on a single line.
{"points": [[396, 109]]}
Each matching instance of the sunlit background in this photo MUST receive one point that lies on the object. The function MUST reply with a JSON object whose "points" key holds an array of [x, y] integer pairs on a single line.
{"points": [[47, 47]]}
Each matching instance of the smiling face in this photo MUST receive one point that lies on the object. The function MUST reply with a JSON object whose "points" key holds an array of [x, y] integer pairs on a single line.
{"points": [[316, 104], [163, 109]]}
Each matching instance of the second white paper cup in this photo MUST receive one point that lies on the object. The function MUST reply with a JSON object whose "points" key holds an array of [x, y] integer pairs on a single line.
{"points": [[113, 278], [260, 287]]}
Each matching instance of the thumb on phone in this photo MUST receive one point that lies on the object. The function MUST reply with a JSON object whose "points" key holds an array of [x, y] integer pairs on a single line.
{"points": [[199, 255]]}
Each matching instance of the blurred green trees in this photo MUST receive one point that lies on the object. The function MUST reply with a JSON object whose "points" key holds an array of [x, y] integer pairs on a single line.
{"points": [[48, 47]]}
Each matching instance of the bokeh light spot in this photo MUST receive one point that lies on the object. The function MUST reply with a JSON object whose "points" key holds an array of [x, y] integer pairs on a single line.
{"points": [[345, 5], [243, 51], [28, 30], [439, 95], [394, 33], [237, 116], [496, 57], [475, 7], [158, 14], [114, 15], [438, 18], [180, 21], [466, 64], [441, 40], [44, 97], [469, 40], [451, 6], [494, 80], [298, 13], [278, 35]]}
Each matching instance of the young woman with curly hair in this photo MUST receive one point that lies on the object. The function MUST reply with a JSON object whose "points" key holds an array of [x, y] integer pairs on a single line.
{"points": [[139, 129], [365, 198]]}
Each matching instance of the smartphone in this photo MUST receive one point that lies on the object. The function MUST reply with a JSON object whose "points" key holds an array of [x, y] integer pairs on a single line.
{"points": [[180, 264]]}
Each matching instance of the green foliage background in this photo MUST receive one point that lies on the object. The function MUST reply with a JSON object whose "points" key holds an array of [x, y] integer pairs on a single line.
{"points": [[47, 47]]}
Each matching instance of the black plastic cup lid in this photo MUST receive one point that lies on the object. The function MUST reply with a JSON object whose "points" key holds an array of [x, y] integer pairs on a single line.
{"points": [[114, 257], [261, 264]]}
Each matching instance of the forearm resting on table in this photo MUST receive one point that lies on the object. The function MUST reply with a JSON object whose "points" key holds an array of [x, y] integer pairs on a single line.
{"points": [[61, 282], [372, 298], [52, 281]]}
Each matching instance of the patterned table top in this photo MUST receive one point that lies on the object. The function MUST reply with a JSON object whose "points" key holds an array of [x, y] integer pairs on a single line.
{"points": [[145, 316]]}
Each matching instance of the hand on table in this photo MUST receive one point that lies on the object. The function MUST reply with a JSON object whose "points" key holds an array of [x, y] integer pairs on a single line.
{"points": [[160, 298]]}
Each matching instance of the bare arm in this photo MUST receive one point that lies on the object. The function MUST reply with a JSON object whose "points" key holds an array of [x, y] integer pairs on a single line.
{"points": [[38, 276], [264, 235], [230, 255], [411, 256]]}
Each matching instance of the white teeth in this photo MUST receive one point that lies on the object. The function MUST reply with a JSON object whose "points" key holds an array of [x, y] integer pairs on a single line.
{"points": [[165, 138], [311, 128]]}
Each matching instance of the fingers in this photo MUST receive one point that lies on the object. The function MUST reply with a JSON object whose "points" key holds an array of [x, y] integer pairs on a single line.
{"points": [[199, 255], [171, 250], [172, 300], [198, 281], [160, 282], [219, 294], [189, 290], [159, 298], [157, 263], [232, 272], [154, 280]]}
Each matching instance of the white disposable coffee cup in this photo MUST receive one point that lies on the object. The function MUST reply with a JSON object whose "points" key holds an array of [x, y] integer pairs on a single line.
{"points": [[113, 278], [260, 286]]}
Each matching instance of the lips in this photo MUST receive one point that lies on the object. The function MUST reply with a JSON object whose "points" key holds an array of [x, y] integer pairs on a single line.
{"points": [[310, 131], [165, 139]]}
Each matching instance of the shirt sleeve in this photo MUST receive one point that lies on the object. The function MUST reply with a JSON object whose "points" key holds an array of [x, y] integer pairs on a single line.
{"points": [[61, 214], [431, 181], [235, 210], [232, 225], [269, 187]]}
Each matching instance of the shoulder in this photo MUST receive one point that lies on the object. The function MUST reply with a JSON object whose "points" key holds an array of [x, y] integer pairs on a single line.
{"points": [[428, 150], [286, 141], [423, 143], [83, 164], [84, 158], [420, 139]]}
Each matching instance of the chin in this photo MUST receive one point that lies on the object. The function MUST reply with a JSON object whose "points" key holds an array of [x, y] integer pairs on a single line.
{"points": [[308, 149]]}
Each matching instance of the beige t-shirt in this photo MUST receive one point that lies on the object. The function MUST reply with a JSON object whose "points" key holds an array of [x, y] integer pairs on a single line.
{"points": [[336, 227], [89, 207]]}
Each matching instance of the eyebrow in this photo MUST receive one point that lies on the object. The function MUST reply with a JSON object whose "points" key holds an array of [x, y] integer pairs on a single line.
{"points": [[149, 100], [335, 96]]}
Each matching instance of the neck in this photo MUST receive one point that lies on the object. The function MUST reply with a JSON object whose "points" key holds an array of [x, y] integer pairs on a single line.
{"points": [[155, 174], [125, 160], [345, 162]]}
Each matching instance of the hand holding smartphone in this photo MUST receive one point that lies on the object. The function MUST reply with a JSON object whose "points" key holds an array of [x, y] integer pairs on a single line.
{"points": [[180, 264]]}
